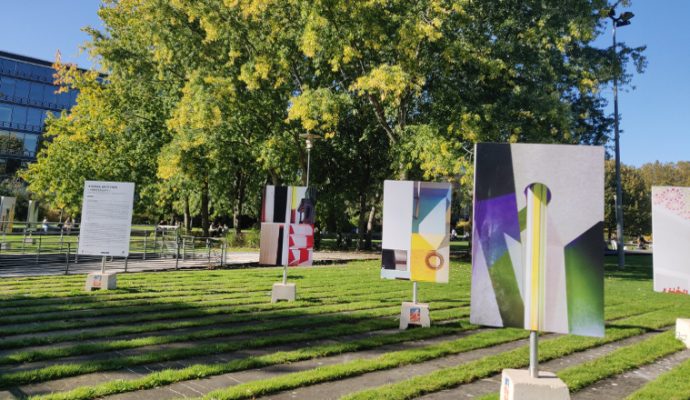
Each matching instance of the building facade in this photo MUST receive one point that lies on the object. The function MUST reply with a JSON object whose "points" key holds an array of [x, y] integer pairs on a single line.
{"points": [[27, 95]]}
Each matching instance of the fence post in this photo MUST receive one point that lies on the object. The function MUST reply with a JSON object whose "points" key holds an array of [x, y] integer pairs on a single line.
{"points": [[126, 258], [223, 248], [208, 248], [145, 239], [38, 252], [155, 241], [76, 251], [69, 248], [177, 254], [184, 249]]}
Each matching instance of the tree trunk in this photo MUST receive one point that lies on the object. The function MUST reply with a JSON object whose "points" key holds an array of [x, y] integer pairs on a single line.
{"points": [[370, 225], [239, 202], [402, 172], [187, 216], [205, 209], [362, 224], [274, 178]]}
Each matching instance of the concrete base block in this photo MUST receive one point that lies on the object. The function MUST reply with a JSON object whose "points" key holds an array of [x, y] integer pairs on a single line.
{"points": [[683, 331], [98, 280], [4, 246], [4, 395], [414, 314], [517, 384], [287, 291]]}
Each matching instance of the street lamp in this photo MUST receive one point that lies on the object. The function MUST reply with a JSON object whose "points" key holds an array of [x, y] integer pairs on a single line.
{"points": [[308, 137], [621, 20]]}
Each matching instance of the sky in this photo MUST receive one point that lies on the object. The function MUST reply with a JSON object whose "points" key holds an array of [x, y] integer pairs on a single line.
{"points": [[655, 115]]}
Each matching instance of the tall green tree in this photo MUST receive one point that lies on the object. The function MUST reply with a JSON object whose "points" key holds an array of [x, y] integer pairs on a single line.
{"points": [[637, 201], [205, 101]]}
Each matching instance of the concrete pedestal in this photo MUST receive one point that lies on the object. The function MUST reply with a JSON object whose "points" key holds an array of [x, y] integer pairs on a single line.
{"points": [[101, 280], [683, 331], [517, 384], [414, 314], [29, 241], [287, 291], [4, 246]]}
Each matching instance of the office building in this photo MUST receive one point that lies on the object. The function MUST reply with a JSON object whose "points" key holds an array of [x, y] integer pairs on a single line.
{"points": [[27, 95]]}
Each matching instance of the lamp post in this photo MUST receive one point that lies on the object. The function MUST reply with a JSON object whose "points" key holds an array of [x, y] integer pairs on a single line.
{"points": [[621, 20], [308, 137]]}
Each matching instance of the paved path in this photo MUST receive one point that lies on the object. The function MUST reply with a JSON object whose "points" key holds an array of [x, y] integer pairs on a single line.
{"points": [[238, 259]]}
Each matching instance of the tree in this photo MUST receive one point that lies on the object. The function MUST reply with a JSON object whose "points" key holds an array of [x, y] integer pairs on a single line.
{"points": [[637, 204], [204, 101]]}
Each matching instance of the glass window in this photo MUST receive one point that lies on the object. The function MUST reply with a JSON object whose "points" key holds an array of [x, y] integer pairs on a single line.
{"points": [[63, 100], [16, 143], [19, 115], [21, 89], [5, 113], [8, 66], [49, 95], [30, 143], [36, 92], [7, 86], [35, 117], [23, 70]]}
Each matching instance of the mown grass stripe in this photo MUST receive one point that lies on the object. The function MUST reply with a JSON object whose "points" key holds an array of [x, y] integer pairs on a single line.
{"points": [[170, 376], [57, 371], [672, 385], [93, 348], [363, 366], [362, 301], [621, 360], [241, 300], [550, 349], [187, 313]]}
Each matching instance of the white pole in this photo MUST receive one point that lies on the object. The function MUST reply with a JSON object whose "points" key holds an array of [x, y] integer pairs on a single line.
{"points": [[103, 265], [285, 274], [308, 159], [534, 354], [414, 292]]}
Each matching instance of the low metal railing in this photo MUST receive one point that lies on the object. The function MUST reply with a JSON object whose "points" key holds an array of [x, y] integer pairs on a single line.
{"points": [[149, 249]]}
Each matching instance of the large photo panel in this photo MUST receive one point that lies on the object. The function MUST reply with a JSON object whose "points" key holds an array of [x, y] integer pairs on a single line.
{"points": [[287, 226], [537, 245], [671, 229], [416, 231]]}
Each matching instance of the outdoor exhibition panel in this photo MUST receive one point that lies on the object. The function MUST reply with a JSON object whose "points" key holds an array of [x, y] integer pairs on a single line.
{"points": [[537, 247], [106, 220], [671, 227]]}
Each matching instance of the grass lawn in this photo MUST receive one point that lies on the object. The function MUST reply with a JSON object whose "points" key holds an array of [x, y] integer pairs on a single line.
{"points": [[161, 329]]}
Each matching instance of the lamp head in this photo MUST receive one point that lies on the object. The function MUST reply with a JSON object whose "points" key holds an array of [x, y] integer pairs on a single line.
{"points": [[626, 16]]}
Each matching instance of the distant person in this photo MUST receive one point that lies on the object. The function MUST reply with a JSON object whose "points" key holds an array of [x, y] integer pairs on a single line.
{"points": [[453, 234], [642, 242], [44, 225], [68, 225]]}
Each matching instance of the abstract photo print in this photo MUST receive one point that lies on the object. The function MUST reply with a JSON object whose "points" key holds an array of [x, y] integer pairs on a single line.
{"points": [[287, 226], [671, 227], [416, 231], [537, 243]]}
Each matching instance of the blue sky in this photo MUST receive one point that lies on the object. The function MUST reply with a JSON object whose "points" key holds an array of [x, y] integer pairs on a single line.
{"points": [[655, 115]]}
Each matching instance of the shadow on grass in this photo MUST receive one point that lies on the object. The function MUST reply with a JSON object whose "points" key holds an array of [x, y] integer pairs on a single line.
{"points": [[637, 267]]}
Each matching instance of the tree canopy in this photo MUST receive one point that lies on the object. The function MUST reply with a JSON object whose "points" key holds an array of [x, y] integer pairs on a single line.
{"points": [[202, 102]]}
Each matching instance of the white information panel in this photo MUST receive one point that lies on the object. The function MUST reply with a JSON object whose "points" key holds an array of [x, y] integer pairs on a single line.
{"points": [[106, 218]]}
